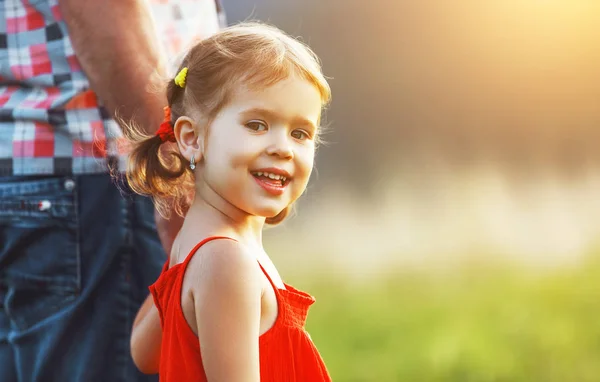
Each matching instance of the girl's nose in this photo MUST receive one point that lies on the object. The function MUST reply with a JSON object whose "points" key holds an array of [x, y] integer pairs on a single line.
{"points": [[281, 147]]}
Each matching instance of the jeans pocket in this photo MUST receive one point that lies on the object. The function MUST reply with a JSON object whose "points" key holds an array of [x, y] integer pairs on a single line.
{"points": [[39, 246]]}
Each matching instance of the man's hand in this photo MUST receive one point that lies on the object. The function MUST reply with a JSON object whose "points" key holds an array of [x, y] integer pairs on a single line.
{"points": [[167, 229]]}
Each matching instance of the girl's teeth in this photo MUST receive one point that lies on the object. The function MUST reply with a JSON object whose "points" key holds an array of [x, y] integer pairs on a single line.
{"points": [[271, 176]]}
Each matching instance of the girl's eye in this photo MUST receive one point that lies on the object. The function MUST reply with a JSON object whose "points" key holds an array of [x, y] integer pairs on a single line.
{"points": [[300, 134], [256, 125]]}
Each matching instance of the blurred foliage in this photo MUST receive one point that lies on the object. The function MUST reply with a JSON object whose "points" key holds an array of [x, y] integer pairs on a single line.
{"points": [[479, 324]]}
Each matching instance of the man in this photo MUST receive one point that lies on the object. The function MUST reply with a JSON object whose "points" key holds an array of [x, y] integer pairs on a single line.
{"points": [[77, 252]]}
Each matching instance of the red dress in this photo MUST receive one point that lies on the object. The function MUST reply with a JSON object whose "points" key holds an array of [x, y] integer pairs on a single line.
{"points": [[286, 351]]}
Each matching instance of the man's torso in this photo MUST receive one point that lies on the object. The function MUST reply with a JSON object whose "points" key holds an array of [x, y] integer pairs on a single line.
{"points": [[50, 120]]}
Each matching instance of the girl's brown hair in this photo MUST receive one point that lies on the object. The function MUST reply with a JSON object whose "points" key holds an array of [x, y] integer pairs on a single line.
{"points": [[253, 54]]}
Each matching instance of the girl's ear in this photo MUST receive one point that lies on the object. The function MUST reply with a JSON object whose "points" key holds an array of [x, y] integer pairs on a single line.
{"points": [[190, 138]]}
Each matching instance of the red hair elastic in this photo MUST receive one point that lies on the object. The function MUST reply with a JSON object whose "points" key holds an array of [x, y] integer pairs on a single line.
{"points": [[165, 131]]}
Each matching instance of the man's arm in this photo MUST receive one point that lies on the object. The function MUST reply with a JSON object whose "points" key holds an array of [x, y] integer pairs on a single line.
{"points": [[115, 42]]}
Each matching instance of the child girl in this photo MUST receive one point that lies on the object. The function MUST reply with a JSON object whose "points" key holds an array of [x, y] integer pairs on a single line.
{"points": [[244, 115]]}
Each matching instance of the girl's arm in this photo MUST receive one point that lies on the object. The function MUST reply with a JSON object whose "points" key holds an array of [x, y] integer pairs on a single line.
{"points": [[227, 292], [146, 338]]}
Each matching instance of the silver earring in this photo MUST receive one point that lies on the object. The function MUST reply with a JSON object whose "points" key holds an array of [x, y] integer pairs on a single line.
{"points": [[192, 162]]}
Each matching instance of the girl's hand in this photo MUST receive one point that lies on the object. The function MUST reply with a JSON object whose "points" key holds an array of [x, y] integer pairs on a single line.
{"points": [[146, 338]]}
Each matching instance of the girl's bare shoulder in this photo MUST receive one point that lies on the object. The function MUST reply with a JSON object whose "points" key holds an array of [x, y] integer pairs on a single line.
{"points": [[223, 263]]}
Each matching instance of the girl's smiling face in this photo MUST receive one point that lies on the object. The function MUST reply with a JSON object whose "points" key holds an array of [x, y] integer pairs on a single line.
{"points": [[260, 147]]}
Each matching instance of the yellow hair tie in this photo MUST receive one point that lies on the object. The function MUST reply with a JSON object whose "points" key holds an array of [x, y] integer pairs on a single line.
{"points": [[180, 77]]}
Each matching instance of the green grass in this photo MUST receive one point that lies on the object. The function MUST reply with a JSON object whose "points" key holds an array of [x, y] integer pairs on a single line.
{"points": [[478, 325]]}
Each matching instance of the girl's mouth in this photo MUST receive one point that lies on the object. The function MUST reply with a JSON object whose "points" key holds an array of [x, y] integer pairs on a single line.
{"points": [[272, 183]]}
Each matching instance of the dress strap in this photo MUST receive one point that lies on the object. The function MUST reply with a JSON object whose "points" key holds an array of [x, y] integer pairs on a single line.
{"points": [[268, 277]]}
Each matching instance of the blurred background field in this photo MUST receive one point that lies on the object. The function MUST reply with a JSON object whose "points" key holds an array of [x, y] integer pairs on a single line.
{"points": [[451, 231], [472, 324]]}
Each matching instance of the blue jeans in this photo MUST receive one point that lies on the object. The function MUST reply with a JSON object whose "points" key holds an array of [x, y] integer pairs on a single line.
{"points": [[76, 257]]}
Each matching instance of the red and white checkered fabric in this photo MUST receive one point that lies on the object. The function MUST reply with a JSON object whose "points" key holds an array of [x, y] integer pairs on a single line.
{"points": [[50, 120]]}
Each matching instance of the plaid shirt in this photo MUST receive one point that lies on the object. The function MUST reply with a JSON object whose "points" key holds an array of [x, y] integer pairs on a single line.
{"points": [[50, 120]]}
